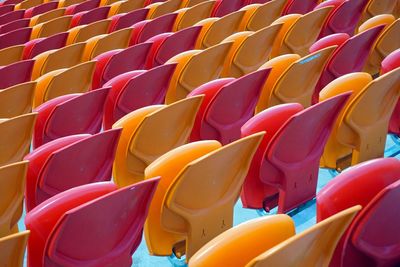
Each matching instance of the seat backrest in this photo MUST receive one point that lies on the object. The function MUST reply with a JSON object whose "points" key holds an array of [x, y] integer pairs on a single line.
{"points": [[47, 16], [248, 238], [12, 181], [16, 73], [27, 4], [385, 19], [38, 46], [391, 62], [90, 16], [133, 93], [162, 8], [40, 9], [336, 39], [125, 20], [16, 37], [259, 16], [224, 7], [85, 32], [15, 137], [6, 8], [204, 201], [145, 137], [51, 27], [81, 6], [287, 22], [11, 16], [300, 6], [189, 16], [12, 249], [376, 7], [16, 100], [196, 69], [168, 166], [122, 7], [313, 246], [14, 25]]}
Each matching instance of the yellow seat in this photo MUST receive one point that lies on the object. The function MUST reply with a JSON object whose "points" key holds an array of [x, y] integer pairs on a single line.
{"points": [[47, 16], [159, 242], [28, 4], [83, 33], [194, 68], [51, 27], [258, 16], [378, 7], [17, 100], [296, 83], [313, 247], [239, 245], [287, 22], [199, 202], [303, 33], [190, 3], [150, 132], [12, 188], [246, 54], [125, 6], [11, 54], [106, 42], [214, 30], [60, 82], [65, 57], [189, 16], [12, 249], [66, 3], [15, 137], [162, 8]]}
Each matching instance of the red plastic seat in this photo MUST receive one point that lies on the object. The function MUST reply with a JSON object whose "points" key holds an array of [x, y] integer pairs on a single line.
{"points": [[344, 17], [80, 7], [227, 105], [350, 57], [284, 170], [17, 37], [131, 91], [372, 239], [40, 9], [225, 7], [4, 9], [89, 16], [144, 30], [69, 115], [14, 25], [16, 73], [11, 16], [334, 39], [125, 20], [166, 45], [40, 45], [10, 2], [113, 63], [299, 6], [68, 162]]}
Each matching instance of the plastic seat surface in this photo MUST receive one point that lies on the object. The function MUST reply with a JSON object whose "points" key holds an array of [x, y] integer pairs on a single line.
{"points": [[42, 219], [69, 115], [90, 16], [14, 25], [11, 16], [287, 22], [162, 8], [121, 7], [40, 9], [195, 68], [334, 39], [391, 62], [224, 7], [67, 3], [83, 6], [130, 91], [246, 238], [12, 249], [51, 27], [5, 9], [16, 37], [11, 55], [115, 62], [26, 4], [385, 19], [16, 73], [259, 16], [38, 46], [47, 16], [300, 6], [12, 181], [126, 20], [16, 100], [376, 7], [189, 16], [227, 107], [85, 32]]}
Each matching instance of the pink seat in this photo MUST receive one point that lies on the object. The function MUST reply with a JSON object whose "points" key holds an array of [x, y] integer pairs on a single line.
{"points": [[112, 63], [11, 16], [125, 20], [4, 9], [344, 17], [227, 105], [69, 115], [166, 45], [131, 91], [40, 9], [14, 25], [284, 170], [83, 6], [347, 58], [299, 6], [89, 16], [144, 30], [40, 45], [68, 162], [225, 7], [16, 37], [372, 239], [16, 73], [334, 39]]}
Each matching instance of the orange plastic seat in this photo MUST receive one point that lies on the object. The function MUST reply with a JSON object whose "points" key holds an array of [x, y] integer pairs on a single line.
{"points": [[246, 54], [12, 249], [81, 7], [12, 187], [60, 82], [85, 32], [294, 79], [384, 19], [258, 16], [66, 3], [162, 8], [148, 133], [378, 7], [214, 30], [189, 16], [248, 238], [190, 3], [65, 57], [361, 129], [194, 68], [313, 247], [103, 43], [47, 16], [287, 22], [17, 100], [125, 20], [122, 7], [11, 54], [51, 27], [28, 4]]}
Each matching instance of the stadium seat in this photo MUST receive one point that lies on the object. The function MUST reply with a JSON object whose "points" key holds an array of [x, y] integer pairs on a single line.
{"points": [[12, 249], [16, 73], [25, 4], [17, 37], [11, 16], [377, 7], [190, 16], [300, 6], [51, 27], [162, 8], [47, 16], [83, 6], [336, 39], [89, 16], [40, 9], [40, 45], [16, 100], [11, 55], [85, 32], [14, 25], [225, 7], [129, 6], [6, 8]]}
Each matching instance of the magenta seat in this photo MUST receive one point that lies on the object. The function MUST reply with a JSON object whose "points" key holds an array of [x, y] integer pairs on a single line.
{"points": [[330, 40], [89, 16], [299, 6], [112, 63], [227, 106], [284, 171], [69, 115], [40, 45], [131, 91], [10, 2], [16, 37], [224, 7], [125, 20], [40, 9], [166, 45], [4, 9], [80, 7], [347, 58], [14, 25], [11, 16], [372, 238], [16, 73]]}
